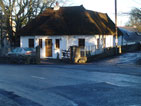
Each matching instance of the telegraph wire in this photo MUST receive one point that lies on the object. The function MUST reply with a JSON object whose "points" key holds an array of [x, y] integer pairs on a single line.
{"points": [[137, 2]]}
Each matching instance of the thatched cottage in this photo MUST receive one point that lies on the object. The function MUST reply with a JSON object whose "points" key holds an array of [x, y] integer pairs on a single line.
{"points": [[55, 30]]}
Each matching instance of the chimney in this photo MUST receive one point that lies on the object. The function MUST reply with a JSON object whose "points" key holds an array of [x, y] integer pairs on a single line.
{"points": [[57, 7]]}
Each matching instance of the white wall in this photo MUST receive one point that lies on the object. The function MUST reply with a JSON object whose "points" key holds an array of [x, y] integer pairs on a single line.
{"points": [[66, 42], [54, 50], [24, 40], [89, 40], [109, 41]]}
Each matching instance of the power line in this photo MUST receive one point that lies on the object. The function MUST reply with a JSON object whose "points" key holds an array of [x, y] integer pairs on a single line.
{"points": [[123, 13], [137, 2]]}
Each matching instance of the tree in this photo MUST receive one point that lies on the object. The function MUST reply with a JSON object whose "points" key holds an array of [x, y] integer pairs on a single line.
{"points": [[135, 18], [18, 12]]}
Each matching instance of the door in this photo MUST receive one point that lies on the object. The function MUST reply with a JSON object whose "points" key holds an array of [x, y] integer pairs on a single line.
{"points": [[48, 46]]}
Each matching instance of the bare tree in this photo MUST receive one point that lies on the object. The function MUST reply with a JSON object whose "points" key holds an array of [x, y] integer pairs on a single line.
{"points": [[135, 18], [18, 12]]}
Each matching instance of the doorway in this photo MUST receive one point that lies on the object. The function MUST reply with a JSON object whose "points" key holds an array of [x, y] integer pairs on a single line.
{"points": [[48, 46]]}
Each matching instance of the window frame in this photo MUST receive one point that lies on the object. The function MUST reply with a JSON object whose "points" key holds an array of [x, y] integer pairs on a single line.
{"points": [[98, 43], [104, 42], [57, 43], [40, 43], [81, 42], [31, 43]]}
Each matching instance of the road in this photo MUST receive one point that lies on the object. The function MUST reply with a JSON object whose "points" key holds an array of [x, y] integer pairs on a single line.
{"points": [[111, 82]]}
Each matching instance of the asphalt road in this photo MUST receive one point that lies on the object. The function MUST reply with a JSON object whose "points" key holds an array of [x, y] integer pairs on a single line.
{"points": [[111, 82]]}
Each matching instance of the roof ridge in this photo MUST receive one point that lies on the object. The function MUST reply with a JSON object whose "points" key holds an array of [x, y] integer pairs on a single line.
{"points": [[81, 6]]}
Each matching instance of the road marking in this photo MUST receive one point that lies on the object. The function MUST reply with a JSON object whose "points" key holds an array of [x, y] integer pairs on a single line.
{"points": [[42, 78]]}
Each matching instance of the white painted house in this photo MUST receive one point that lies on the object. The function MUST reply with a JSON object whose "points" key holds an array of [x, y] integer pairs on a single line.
{"points": [[129, 36], [57, 30]]}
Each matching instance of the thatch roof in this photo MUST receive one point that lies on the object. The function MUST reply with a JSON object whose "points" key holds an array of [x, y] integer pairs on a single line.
{"points": [[69, 21]]}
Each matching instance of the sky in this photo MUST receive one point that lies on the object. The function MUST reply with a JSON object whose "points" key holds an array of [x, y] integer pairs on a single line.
{"points": [[108, 6]]}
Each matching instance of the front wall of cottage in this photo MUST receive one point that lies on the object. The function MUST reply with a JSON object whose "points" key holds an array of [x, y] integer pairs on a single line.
{"points": [[24, 40], [63, 44], [109, 41], [92, 42]]}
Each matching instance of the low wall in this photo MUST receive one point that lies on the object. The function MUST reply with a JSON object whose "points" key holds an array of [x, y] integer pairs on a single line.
{"points": [[0, 52], [4, 60], [20, 59], [4, 51], [130, 48], [109, 52]]}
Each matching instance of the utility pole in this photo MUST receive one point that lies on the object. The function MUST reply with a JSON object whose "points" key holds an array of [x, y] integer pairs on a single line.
{"points": [[116, 29], [1, 28]]}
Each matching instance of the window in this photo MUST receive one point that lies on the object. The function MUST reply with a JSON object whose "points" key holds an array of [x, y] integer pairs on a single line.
{"points": [[57, 42], [40, 43], [97, 43], [31, 43], [104, 42], [81, 43]]}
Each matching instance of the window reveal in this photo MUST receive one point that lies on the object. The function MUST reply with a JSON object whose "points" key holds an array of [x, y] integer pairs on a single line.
{"points": [[57, 42], [40, 43], [81, 43], [31, 43]]}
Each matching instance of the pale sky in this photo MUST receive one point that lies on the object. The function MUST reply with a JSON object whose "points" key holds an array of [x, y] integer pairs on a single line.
{"points": [[108, 6]]}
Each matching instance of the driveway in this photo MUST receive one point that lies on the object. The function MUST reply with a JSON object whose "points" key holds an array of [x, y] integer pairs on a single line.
{"points": [[111, 82]]}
